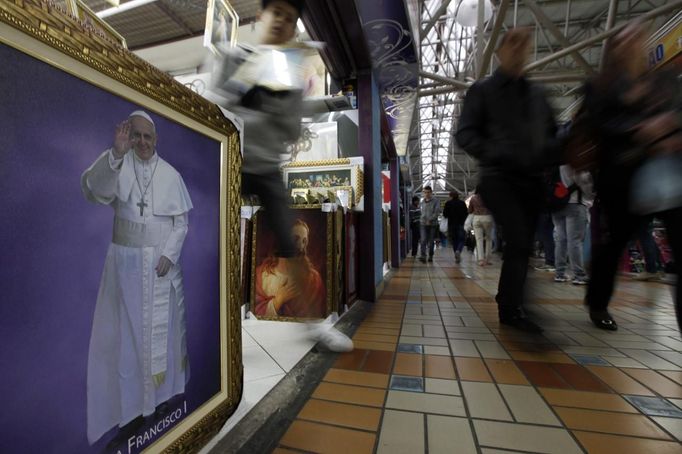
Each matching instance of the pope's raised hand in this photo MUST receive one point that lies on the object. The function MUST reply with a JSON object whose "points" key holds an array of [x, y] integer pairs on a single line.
{"points": [[122, 139]]}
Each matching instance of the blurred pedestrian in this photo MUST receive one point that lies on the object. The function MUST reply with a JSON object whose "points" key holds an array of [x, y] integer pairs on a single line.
{"points": [[455, 211], [508, 126], [271, 109], [634, 118], [430, 209], [483, 229]]}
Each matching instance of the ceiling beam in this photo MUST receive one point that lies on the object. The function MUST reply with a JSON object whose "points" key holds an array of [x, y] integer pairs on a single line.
{"points": [[672, 5], [439, 12], [445, 80], [556, 33], [490, 47]]}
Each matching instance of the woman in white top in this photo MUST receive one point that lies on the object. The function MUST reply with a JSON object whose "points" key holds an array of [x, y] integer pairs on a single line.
{"points": [[483, 229]]}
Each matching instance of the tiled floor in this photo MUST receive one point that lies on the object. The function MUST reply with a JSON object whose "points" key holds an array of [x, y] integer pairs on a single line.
{"points": [[434, 372]]}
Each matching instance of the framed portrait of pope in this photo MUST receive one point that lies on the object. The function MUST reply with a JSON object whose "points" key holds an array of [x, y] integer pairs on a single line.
{"points": [[120, 210]]}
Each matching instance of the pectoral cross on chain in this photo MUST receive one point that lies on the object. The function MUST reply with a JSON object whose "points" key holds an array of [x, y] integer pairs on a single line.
{"points": [[142, 205]]}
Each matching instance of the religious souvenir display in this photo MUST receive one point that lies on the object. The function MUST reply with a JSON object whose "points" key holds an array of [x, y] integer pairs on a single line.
{"points": [[121, 221], [222, 25], [325, 176], [272, 294]]}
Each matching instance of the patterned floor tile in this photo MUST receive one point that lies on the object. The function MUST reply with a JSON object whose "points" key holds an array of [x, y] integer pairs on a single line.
{"points": [[655, 406], [404, 383]]}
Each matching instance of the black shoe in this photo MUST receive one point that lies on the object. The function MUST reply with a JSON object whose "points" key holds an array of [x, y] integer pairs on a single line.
{"points": [[422, 259], [430, 259], [521, 323], [603, 320]]}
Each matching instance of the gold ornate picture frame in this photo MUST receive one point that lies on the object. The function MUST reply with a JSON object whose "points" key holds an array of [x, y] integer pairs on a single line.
{"points": [[79, 9], [328, 175], [69, 89], [320, 256], [222, 26]]}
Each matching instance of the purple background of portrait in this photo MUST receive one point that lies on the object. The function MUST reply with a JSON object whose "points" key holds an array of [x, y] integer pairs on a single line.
{"points": [[317, 242], [54, 244]]}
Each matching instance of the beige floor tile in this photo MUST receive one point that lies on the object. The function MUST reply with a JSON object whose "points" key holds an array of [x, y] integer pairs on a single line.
{"points": [[588, 400], [433, 350], [434, 331], [412, 330], [492, 350], [484, 401], [672, 425], [447, 435], [609, 422], [521, 437], [423, 340], [426, 403], [401, 433], [527, 405], [623, 362], [439, 386], [595, 443], [321, 438], [464, 348]]}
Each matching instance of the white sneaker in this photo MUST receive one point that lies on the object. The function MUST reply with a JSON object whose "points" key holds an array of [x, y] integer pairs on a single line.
{"points": [[332, 339]]}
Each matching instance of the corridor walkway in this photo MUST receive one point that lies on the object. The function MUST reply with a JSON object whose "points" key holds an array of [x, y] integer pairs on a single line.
{"points": [[434, 372]]}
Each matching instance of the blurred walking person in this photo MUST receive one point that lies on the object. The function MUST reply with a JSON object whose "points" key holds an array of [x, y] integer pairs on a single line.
{"points": [[634, 119], [455, 211], [508, 126], [430, 209], [483, 229], [415, 224]]}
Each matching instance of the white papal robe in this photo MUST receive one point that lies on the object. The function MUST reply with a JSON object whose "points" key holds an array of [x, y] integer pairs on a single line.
{"points": [[138, 355]]}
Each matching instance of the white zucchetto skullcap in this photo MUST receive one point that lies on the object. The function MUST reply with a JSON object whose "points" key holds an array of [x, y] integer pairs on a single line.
{"points": [[143, 114]]}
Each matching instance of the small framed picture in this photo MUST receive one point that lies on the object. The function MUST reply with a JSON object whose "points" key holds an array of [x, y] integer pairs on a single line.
{"points": [[324, 176], [222, 23]]}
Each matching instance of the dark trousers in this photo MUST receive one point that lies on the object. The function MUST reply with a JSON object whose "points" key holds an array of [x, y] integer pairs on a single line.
{"points": [[621, 225], [456, 233], [274, 198], [515, 205], [415, 230], [649, 248], [545, 234]]}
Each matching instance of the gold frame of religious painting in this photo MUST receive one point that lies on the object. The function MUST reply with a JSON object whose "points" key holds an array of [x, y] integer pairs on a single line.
{"points": [[302, 192], [355, 164], [43, 31], [88, 16], [224, 9], [329, 283]]}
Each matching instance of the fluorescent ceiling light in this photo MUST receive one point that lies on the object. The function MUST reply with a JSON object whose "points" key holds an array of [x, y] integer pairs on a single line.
{"points": [[124, 7]]}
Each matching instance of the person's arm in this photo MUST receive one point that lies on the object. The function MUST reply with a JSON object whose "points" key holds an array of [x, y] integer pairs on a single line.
{"points": [[447, 210], [470, 132]]}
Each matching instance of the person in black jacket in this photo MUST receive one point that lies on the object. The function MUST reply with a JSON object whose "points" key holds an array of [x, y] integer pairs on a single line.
{"points": [[635, 119], [508, 126], [455, 211]]}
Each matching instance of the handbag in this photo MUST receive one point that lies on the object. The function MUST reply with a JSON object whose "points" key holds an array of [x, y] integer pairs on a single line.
{"points": [[444, 225], [469, 223], [657, 185]]}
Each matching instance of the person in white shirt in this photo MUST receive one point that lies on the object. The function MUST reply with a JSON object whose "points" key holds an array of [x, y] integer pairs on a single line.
{"points": [[570, 224], [138, 355]]}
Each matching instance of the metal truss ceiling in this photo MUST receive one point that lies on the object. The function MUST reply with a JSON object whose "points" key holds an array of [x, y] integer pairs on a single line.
{"points": [[451, 59]]}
